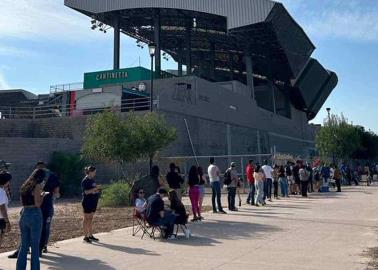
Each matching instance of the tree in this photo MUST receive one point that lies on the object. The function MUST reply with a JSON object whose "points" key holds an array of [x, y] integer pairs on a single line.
{"points": [[155, 135], [369, 145], [338, 139], [110, 138]]}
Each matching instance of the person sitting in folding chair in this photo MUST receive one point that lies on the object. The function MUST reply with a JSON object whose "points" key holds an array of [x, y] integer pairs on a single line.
{"points": [[140, 202], [157, 216], [139, 216], [179, 210]]}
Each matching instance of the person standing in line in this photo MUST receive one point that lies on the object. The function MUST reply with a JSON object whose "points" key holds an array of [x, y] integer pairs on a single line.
{"points": [[5, 226], [303, 176], [194, 193], [337, 176], [283, 182], [297, 180], [249, 171], [91, 193], [289, 176], [174, 179], [310, 186], [201, 186], [232, 187], [275, 174], [367, 172], [149, 184], [40, 165], [52, 191], [316, 178], [268, 180], [214, 176], [31, 219], [325, 173], [258, 175]]}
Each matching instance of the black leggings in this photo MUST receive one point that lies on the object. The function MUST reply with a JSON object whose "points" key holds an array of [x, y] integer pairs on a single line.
{"points": [[275, 187]]}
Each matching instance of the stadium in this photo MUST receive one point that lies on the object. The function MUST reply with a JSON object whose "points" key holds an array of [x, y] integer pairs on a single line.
{"points": [[245, 81]]}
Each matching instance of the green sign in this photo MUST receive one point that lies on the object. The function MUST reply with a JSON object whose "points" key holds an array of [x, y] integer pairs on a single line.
{"points": [[114, 77]]}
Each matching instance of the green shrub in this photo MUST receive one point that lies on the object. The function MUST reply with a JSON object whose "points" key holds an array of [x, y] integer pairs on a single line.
{"points": [[70, 169], [116, 194]]}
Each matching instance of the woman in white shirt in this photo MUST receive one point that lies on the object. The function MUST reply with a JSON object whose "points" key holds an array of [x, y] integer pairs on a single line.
{"points": [[140, 202], [259, 183], [5, 227]]}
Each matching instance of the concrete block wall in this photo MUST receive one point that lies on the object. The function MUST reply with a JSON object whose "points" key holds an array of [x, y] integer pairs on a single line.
{"points": [[23, 153]]}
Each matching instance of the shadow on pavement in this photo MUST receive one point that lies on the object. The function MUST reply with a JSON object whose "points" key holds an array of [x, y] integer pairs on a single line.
{"points": [[136, 251], [206, 233], [60, 262]]}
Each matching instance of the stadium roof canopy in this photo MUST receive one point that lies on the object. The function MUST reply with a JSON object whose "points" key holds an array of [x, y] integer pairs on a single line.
{"points": [[230, 37]]}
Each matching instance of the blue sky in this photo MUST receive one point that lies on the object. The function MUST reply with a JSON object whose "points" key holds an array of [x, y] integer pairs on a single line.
{"points": [[43, 43]]}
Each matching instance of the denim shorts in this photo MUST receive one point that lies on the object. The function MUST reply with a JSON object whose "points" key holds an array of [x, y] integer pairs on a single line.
{"points": [[202, 190]]}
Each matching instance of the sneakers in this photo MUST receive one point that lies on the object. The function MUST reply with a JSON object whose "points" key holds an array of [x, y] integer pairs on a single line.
{"points": [[222, 211], [87, 240], [195, 219], [44, 250], [93, 238], [172, 237], [14, 255]]}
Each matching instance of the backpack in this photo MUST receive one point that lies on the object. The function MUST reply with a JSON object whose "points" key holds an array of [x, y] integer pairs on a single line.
{"points": [[227, 177]]}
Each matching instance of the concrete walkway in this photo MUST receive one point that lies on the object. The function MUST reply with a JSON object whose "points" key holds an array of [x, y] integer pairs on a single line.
{"points": [[325, 231]]}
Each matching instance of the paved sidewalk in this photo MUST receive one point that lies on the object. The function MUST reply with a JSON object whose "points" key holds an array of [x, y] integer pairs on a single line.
{"points": [[325, 231]]}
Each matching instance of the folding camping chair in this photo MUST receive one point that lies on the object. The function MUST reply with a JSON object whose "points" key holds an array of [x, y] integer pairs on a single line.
{"points": [[182, 226], [140, 224]]}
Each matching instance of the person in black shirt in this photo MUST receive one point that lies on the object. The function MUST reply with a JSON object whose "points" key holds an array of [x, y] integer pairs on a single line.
{"points": [[157, 216], [178, 208], [91, 193], [296, 177], [174, 180], [51, 189]]}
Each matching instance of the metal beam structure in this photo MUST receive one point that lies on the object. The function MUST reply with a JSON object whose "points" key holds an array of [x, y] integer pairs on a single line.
{"points": [[117, 43], [210, 38]]}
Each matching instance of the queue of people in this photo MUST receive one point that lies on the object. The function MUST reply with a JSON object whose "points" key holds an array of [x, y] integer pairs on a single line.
{"points": [[42, 187]]}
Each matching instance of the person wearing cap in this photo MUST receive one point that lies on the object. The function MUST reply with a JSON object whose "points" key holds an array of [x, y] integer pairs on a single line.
{"points": [[232, 187], [5, 226]]}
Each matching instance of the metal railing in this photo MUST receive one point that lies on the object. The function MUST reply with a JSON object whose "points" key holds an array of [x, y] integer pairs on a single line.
{"points": [[72, 110], [66, 87]]}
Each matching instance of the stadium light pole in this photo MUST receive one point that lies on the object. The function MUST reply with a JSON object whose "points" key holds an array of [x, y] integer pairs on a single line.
{"points": [[152, 50], [329, 113], [329, 122]]}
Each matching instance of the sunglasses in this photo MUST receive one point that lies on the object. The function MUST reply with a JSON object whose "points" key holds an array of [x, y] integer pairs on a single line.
{"points": [[142, 192]]}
